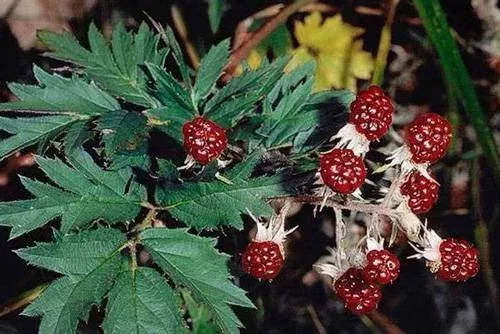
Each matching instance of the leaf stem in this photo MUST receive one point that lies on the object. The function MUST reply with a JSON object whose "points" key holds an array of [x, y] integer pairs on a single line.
{"points": [[180, 26], [23, 299], [239, 54]]}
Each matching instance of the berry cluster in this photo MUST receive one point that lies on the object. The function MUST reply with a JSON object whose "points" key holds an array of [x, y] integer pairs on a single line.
{"points": [[360, 268]]}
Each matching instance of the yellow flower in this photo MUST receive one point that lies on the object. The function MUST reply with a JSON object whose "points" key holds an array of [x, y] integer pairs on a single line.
{"points": [[253, 61], [332, 44]]}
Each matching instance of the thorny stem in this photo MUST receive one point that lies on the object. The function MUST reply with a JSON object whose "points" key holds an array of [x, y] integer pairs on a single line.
{"points": [[242, 51], [349, 205]]}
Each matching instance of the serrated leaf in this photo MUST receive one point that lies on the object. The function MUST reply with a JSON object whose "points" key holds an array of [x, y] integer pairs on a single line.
{"points": [[211, 204], [141, 301], [194, 263], [125, 138], [27, 131], [58, 94], [69, 299], [210, 70], [115, 68], [87, 193], [177, 106], [75, 254], [177, 54], [238, 97], [76, 135]]}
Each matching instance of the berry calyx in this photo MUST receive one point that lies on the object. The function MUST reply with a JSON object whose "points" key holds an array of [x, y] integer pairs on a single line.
{"points": [[204, 140], [263, 260], [371, 113], [382, 267], [428, 138], [421, 191], [459, 260], [359, 296], [342, 170]]}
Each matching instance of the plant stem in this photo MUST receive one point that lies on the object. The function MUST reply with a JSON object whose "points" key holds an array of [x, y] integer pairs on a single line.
{"points": [[353, 206], [384, 45], [434, 20], [23, 299], [384, 322], [241, 53], [181, 28]]}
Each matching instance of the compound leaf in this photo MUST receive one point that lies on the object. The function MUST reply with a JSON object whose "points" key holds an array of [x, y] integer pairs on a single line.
{"points": [[86, 193], [193, 262], [88, 278]]}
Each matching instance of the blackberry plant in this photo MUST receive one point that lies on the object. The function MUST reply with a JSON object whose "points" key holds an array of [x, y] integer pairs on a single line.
{"points": [[108, 192]]}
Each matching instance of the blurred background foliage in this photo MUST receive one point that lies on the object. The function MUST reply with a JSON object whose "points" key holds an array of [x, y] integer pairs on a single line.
{"points": [[405, 46]]}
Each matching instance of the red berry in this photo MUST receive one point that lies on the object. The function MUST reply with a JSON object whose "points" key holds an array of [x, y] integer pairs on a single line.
{"points": [[358, 295], [262, 260], [342, 171], [422, 192], [382, 267], [428, 138], [204, 139], [371, 113], [459, 260]]}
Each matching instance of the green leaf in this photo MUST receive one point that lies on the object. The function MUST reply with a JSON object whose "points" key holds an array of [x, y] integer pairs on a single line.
{"points": [[177, 54], [215, 11], [141, 301], [193, 262], [86, 193], [115, 68], [287, 118], [76, 135], [75, 254], [58, 94], [210, 70], [211, 204], [239, 97], [457, 76], [89, 277], [125, 138], [27, 131]]}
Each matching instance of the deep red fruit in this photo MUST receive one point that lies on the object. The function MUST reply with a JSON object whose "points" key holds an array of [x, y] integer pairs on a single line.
{"points": [[428, 138], [382, 267], [262, 260], [459, 260], [204, 139], [371, 113], [422, 192], [358, 295], [342, 170]]}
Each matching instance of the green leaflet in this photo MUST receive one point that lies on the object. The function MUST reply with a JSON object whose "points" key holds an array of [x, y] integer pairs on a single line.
{"points": [[212, 204], [210, 70], [27, 131], [87, 193], [89, 277], [116, 66], [125, 138], [177, 107], [58, 94], [141, 301], [239, 96], [194, 263], [201, 319]]}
